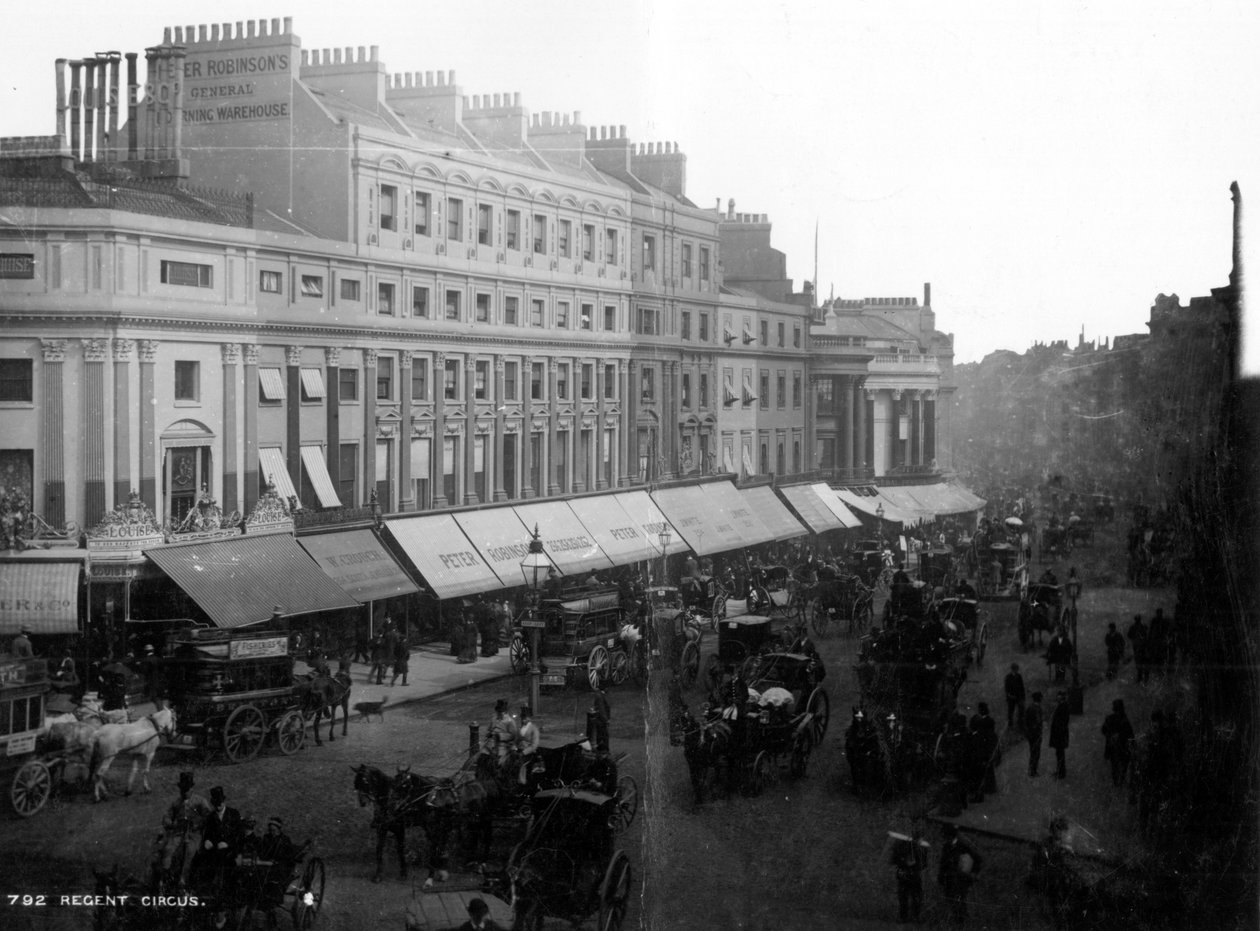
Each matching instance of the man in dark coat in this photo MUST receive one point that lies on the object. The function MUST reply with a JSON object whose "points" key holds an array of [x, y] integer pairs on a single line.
{"points": [[1059, 721], [1114, 642], [1118, 736], [219, 838], [1059, 654], [402, 658], [1138, 635], [603, 715], [1034, 719], [960, 862], [910, 860], [1013, 686], [21, 646]]}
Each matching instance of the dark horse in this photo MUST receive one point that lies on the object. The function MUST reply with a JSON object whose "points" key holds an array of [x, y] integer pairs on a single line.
{"points": [[709, 748], [322, 694], [405, 800]]}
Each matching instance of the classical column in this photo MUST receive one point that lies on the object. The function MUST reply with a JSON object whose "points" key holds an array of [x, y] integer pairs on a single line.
{"points": [[95, 351], [553, 425], [470, 430], [230, 354], [578, 481], [53, 431], [633, 394], [123, 349], [525, 442], [498, 491], [601, 405], [895, 429], [437, 452], [843, 392], [249, 355], [810, 453], [148, 438], [406, 499], [859, 402], [332, 416], [625, 427], [369, 427], [668, 422], [293, 414], [929, 426]]}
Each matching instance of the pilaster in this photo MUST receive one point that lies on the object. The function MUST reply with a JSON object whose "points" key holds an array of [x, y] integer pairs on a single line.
{"points": [[369, 427], [53, 430], [332, 417], [231, 357], [437, 451], [498, 491], [95, 352], [293, 414], [470, 430], [406, 490], [148, 438], [123, 348], [249, 354]]}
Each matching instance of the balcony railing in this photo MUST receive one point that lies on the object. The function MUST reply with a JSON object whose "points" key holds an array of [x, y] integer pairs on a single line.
{"points": [[905, 362]]}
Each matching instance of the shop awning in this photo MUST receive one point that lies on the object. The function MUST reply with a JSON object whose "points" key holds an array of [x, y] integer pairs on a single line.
{"points": [[870, 504], [620, 537], [321, 481], [274, 469], [643, 511], [358, 561], [565, 539], [724, 499], [238, 581], [500, 538], [705, 528], [42, 596], [444, 556], [831, 501], [810, 508], [773, 513], [916, 500]]}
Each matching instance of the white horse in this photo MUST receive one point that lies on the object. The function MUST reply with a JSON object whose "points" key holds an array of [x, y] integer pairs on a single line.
{"points": [[139, 739]]}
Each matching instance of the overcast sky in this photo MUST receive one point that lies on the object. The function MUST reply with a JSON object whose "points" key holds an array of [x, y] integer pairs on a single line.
{"points": [[1047, 166]]}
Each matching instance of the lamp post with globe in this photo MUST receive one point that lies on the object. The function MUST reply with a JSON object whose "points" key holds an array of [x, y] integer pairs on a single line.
{"points": [[664, 537], [535, 568]]}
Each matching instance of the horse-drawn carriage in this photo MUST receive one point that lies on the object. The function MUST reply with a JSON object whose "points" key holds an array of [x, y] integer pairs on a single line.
{"points": [[1080, 531], [705, 596], [964, 620], [585, 642], [743, 640], [1041, 609], [235, 690], [1056, 543], [999, 571], [264, 881], [837, 598], [674, 633], [32, 773], [772, 590], [937, 568], [911, 600], [872, 563]]}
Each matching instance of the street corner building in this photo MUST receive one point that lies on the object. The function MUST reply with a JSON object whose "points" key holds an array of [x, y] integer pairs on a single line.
{"points": [[263, 289]]}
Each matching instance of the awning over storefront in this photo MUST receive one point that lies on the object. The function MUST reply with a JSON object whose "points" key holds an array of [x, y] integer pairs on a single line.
{"points": [[501, 539], [238, 581], [870, 504], [42, 596], [809, 508], [448, 562], [618, 534], [321, 481], [831, 501], [644, 512], [932, 501], [705, 528], [358, 562], [724, 499], [565, 539], [773, 513], [274, 469]]}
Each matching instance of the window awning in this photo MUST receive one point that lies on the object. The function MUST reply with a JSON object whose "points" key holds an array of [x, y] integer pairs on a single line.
{"points": [[643, 511], [313, 383], [811, 509], [773, 513], [727, 462], [723, 498], [620, 537], [238, 581], [500, 539], [869, 504], [445, 558], [274, 470], [749, 394], [43, 596], [321, 481], [705, 529], [748, 335], [748, 463], [358, 562], [272, 384], [728, 393], [934, 500], [831, 501], [568, 543], [916, 501]]}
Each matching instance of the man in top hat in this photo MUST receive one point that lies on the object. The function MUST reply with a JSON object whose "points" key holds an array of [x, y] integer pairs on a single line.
{"points": [[219, 839], [21, 646], [186, 815], [479, 917]]}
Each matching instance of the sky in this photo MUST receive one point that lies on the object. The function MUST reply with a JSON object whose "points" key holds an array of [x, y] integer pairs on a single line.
{"points": [[1050, 166]]}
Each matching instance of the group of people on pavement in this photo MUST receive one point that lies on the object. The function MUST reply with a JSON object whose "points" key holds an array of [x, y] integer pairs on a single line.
{"points": [[959, 865]]}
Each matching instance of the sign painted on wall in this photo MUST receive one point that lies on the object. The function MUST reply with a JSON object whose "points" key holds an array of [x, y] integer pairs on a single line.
{"points": [[253, 649], [237, 112], [226, 66], [17, 265]]}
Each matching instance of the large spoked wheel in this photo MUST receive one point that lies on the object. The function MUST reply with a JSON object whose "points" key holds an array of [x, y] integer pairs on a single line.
{"points": [[689, 664], [31, 786], [982, 643], [802, 747], [820, 618], [863, 612], [759, 600], [717, 610], [627, 803], [519, 653], [761, 774], [310, 895], [597, 665], [243, 733], [614, 893], [819, 705], [291, 732], [618, 667]]}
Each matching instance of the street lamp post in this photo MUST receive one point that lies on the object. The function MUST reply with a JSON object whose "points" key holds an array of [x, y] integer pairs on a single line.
{"points": [[664, 537], [879, 512], [1076, 697], [534, 567]]}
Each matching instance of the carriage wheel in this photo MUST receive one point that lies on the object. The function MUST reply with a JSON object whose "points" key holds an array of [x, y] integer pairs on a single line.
{"points": [[32, 784], [519, 653], [761, 596], [614, 893], [627, 803], [761, 774], [717, 611], [982, 643], [802, 746], [597, 666], [689, 664], [243, 733], [310, 894], [819, 618], [619, 667], [291, 732], [862, 613], [819, 705]]}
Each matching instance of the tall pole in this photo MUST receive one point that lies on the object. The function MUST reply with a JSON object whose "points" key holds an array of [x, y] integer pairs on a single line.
{"points": [[535, 668]]}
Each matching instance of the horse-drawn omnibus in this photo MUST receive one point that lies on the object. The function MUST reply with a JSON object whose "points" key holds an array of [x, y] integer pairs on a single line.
{"points": [[24, 687], [584, 642]]}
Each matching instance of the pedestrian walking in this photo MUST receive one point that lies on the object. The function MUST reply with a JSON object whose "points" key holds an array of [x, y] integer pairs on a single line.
{"points": [[1114, 642], [960, 864], [468, 647], [380, 658], [362, 647], [909, 859], [1138, 636], [1034, 719], [402, 658], [1014, 688], [1059, 654], [1118, 739], [1059, 721], [528, 738]]}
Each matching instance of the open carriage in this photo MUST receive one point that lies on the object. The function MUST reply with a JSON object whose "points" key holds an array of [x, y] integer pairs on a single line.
{"points": [[839, 599], [773, 591], [263, 884], [705, 596], [872, 564], [937, 568], [674, 633], [584, 643], [743, 640], [964, 620]]}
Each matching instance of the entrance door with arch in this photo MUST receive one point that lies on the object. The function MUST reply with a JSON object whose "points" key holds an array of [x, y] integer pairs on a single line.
{"points": [[187, 462]]}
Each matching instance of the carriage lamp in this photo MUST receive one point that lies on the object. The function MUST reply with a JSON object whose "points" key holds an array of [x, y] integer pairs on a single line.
{"points": [[535, 568], [1076, 694], [664, 537], [879, 512]]}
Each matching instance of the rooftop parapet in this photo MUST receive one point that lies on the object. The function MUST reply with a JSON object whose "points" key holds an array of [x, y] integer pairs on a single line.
{"points": [[340, 60], [216, 33]]}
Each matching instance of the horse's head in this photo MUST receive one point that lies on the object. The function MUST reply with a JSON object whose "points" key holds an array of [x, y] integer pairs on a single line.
{"points": [[370, 784], [164, 721]]}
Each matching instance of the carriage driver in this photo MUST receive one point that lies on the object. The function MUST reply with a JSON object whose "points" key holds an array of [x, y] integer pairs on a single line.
{"points": [[184, 816], [528, 741], [502, 733]]}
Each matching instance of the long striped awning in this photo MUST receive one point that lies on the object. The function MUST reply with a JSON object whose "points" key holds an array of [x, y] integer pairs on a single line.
{"points": [[358, 562], [831, 501], [274, 469], [773, 513], [317, 473], [724, 498], [42, 596], [811, 509], [451, 563]]}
